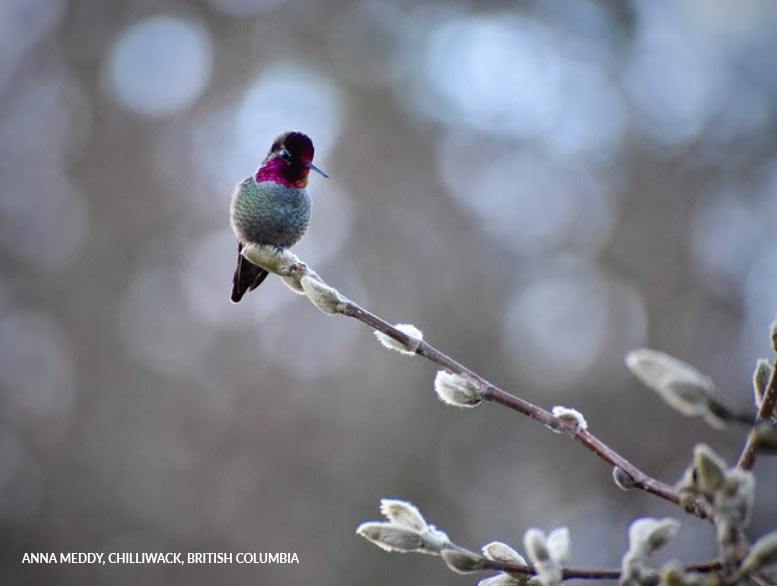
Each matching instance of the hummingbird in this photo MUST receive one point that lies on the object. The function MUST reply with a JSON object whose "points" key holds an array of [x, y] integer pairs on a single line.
{"points": [[272, 207]]}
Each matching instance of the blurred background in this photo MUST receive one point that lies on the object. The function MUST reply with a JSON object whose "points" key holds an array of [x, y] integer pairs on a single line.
{"points": [[540, 186]]}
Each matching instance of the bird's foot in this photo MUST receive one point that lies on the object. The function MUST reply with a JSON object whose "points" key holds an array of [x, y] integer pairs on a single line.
{"points": [[277, 249]]}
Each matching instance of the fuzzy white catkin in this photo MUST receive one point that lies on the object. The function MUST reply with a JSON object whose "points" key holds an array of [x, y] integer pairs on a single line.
{"points": [[680, 385], [559, 545], [326, 298], [549, 570], [406, 530], [415, 335], [762, 553], [462, 561], [501, 580], [456, 390], [391, 537], [733, 502], [534, 543], [570, 415], [761, 376], [403, 513], [279, 262], [646, 535], [710, 468], [501, 552]]}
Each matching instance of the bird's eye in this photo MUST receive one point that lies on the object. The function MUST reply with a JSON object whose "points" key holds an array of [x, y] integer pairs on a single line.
{"points": [[285, 155]]}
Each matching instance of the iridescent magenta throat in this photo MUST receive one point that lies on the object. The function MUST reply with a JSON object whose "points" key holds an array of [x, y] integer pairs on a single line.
{"points": [[283, 173]]}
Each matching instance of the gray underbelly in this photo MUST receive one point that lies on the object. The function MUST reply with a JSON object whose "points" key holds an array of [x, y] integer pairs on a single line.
{"points": [[270, 214], [284, 228]]}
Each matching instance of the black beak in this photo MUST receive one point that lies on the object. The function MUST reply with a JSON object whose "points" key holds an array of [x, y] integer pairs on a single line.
{"points": [[316, 169]]}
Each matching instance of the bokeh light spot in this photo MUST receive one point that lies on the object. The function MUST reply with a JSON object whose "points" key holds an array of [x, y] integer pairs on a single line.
{"points": [[568, 323], [674, 79], [499, 75], [289, 98], [160, 65], [724, 237], [528, 203]]}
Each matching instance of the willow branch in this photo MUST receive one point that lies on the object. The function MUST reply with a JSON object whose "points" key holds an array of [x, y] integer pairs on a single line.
{"points": [[750, 451], [493, 393], [303, 280], [589, 573]]}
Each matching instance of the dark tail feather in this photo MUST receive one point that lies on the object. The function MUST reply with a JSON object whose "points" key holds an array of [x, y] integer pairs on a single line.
{"points": [[247, 277]]}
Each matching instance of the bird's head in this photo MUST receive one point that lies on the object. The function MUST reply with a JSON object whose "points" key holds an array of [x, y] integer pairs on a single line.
{"points": [[289, 160]]}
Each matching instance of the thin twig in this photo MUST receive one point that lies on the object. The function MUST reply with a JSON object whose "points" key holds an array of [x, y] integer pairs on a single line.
{"points": [[589, 574], [302, 279], [750, 451], [493, 393]]}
